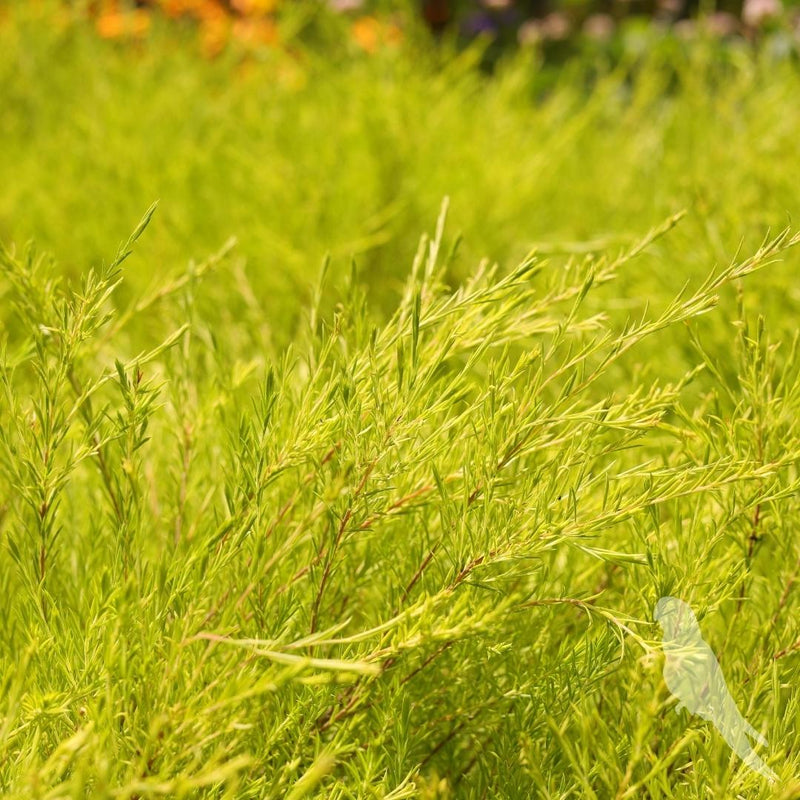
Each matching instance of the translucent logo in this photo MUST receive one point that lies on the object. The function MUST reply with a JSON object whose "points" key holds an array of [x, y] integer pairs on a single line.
{"points": [[694, 676]]}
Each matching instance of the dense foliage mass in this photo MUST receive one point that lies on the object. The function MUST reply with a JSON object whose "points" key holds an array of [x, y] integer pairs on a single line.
{"points": [[327, 510]]}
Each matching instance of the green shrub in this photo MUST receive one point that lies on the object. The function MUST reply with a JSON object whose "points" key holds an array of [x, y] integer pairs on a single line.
{"points": [[394, 527], [403, 559]]}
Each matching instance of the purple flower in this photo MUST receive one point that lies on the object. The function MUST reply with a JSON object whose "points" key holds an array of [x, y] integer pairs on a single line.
{"points": [[478, 23]]}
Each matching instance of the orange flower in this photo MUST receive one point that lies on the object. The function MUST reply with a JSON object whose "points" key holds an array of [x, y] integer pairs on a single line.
{"points": [[111, 24], [255, 32], [369, 33], [366, 33], [255, 7], [214, 35], [209, 11], [177, 8], [116, 24]]}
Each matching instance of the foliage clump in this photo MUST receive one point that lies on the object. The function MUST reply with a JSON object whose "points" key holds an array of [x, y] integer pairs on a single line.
{"points": [[403, 557]]}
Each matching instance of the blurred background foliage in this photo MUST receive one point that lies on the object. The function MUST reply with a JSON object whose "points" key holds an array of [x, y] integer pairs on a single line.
{"points": [[311, 130]]}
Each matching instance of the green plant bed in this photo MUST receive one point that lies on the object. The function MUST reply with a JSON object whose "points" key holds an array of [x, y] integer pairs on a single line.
{"points": [[295, 504], [409, 558]]}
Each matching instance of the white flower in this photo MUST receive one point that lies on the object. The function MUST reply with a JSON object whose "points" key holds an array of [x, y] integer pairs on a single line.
{"points": [[756, 11]]}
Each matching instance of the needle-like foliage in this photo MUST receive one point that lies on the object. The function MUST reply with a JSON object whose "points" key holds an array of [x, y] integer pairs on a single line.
{"points": [[406, 558]]}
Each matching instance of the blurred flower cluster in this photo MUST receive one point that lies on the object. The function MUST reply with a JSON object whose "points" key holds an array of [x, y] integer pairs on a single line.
{"points": [[535, 22], [370, 25], [251, 24]]}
